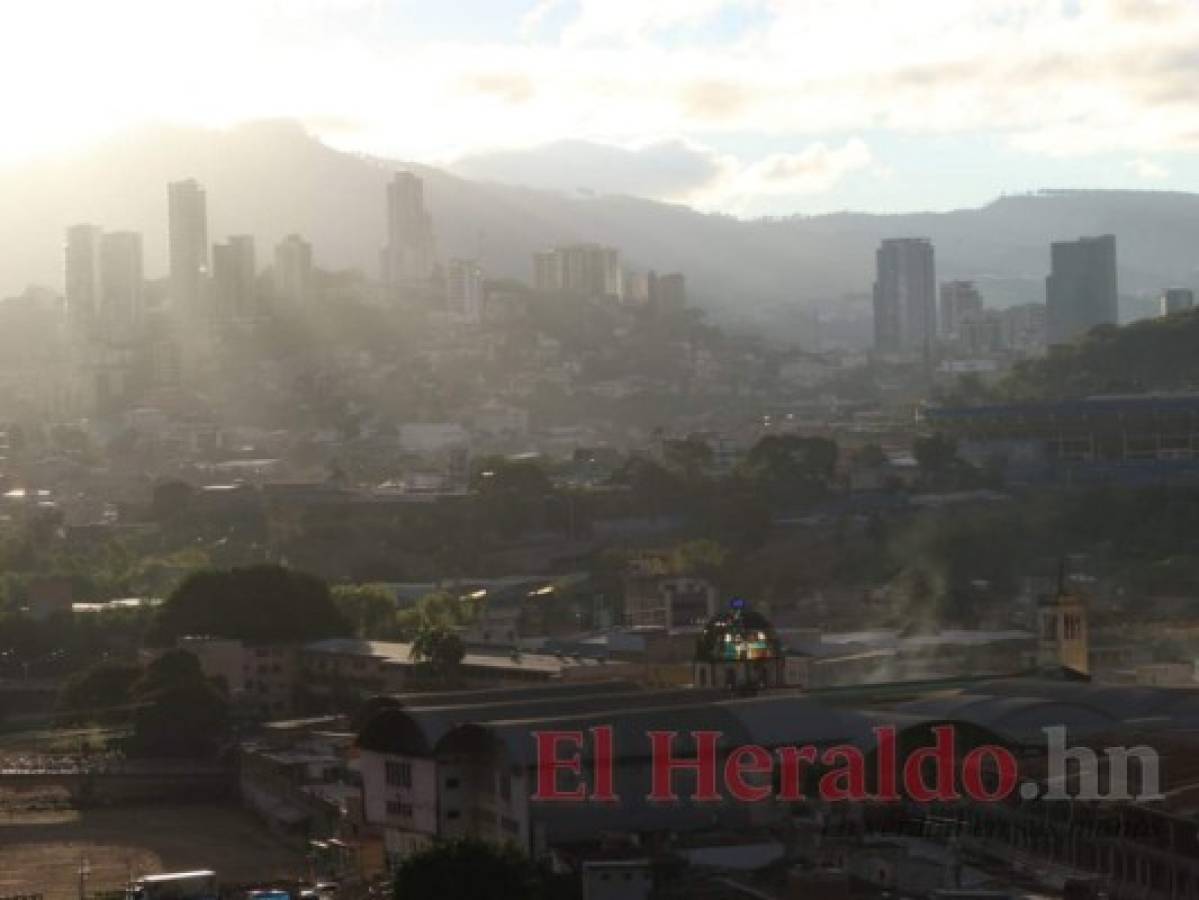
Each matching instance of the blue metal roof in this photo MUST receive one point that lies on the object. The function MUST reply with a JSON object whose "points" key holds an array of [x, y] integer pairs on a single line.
{"points": [[1082, 408]]}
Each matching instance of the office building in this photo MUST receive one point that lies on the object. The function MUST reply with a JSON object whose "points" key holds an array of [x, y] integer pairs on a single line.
{"points": [[1176, 300], [981, 332], [636, 288], [959, 299], [293, 275], [464, 289], [1081, 291], [122, 285], [82, 276], [667, 291], [1024, 327], [187, 208], [234, 274], [905, 303], [586, 270], [410, 254]]}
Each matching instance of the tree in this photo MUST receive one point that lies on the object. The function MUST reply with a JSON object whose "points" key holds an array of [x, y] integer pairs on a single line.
{"points": [[511, 493], [368, 608], [702, 557], [791, 467], [439, 650], [180, 712], [871, 456], [99, 692], [935, 454], [649, 483], [171, 499], [691, 457], [263, 604], [468, 868]]}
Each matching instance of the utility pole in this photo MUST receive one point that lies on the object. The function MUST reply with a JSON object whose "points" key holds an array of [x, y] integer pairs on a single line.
{"points": [[85, 869]]}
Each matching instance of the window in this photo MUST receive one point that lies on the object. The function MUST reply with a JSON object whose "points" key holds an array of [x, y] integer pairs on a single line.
{"points": [[398, 774], [451, 783], [399, 810], [506, 786], [453, 814]]}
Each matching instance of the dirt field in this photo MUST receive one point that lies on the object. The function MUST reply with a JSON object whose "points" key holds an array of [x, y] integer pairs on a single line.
{"points": [[40, 849]]}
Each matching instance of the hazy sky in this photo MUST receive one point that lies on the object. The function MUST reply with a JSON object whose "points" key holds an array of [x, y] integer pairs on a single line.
{"points": [[745, 106]]}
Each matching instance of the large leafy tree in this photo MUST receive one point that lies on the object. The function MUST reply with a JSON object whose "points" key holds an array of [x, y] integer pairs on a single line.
{"points": [[511, 494], [100, 692], [179, 711], [257, 604], [368, 608], [790, 467], [468, 869], [439, 651], [935, 453]]}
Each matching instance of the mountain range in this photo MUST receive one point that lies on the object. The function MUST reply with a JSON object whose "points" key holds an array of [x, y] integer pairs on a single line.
{"points": [[272, 178]]}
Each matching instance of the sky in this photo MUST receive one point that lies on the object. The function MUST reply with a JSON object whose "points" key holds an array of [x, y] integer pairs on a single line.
{"points": [[747, 107]]}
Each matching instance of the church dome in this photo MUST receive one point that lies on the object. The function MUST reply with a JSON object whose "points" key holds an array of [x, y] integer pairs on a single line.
{"points": [[739, 633]]}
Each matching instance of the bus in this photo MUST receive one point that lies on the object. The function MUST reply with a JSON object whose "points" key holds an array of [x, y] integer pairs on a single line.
{"points": [[198, 885]]}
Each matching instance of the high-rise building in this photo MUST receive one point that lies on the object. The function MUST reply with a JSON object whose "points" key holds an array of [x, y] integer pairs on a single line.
{"points": [[1081, 291], [959, 299], [120, 313], [83, 276], [411, 251], [464, 289], [188, 216], [1176, 300], [636, 288], [981, 331], [1024, 326], [588, 270], [293, 277], [668, 291], [548, 273], [905, 300], [234, 278]]}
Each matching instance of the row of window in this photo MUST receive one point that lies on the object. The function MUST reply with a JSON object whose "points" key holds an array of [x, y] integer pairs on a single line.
{"points": [[398, 774]]}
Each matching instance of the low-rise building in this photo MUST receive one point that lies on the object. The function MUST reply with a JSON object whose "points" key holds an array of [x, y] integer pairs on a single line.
{"points": [[261, 679]]}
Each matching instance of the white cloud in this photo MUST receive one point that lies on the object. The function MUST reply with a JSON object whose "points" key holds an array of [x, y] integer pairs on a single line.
{"points": [[673, 169], [635, 21], [1148, 169], [533, 19], [665, 170], [1043, 76], [816, 168]]}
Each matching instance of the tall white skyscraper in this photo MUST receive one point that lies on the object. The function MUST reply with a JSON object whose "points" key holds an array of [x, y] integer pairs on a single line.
{"points": [[234, 274], [905, 296], [188, 214], [122, 286], [411, 253], [589, 270], [464, 289], [82, 271]]}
